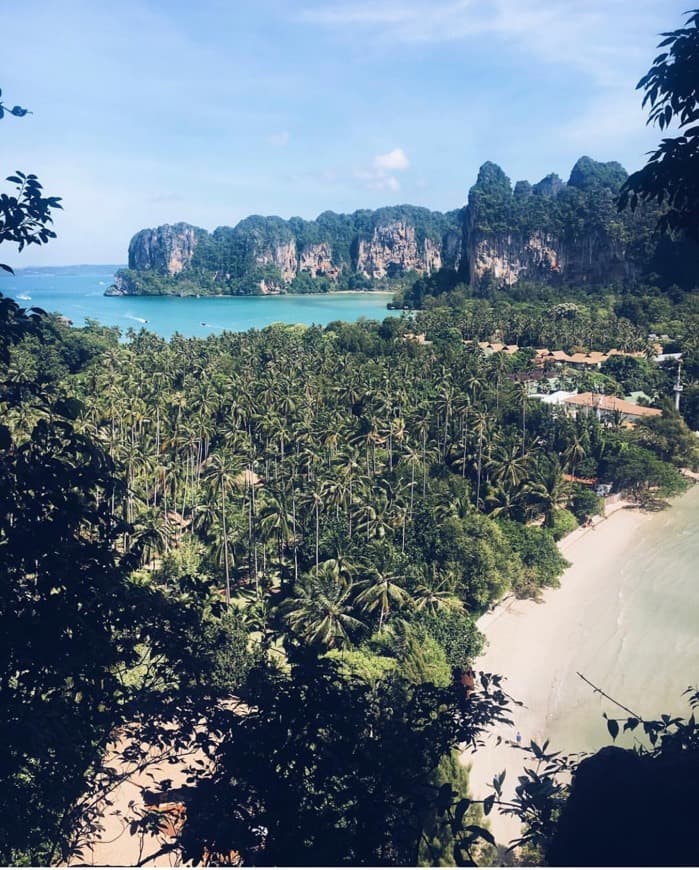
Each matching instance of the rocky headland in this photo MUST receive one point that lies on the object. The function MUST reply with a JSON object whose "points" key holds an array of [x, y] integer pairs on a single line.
{"points": [[551, 232]]}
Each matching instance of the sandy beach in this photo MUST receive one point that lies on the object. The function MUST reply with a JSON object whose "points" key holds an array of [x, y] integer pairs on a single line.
{"points": [[588, 625]]}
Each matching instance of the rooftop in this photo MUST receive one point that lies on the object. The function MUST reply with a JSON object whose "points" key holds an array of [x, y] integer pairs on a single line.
{"points": [[612, 404]]}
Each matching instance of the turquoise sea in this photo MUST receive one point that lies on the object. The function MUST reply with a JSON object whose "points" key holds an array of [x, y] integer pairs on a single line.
{"points": [[77, 292]]}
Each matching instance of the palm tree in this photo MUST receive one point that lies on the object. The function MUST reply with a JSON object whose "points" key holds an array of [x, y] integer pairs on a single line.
{"points": [[378, 591], [222, 472], [320, 613], [575, 452], [436, 592], [549, 491], [150, 534], [481, 427], [314, 500], [502, 502], [274, 519], [507, 466]]}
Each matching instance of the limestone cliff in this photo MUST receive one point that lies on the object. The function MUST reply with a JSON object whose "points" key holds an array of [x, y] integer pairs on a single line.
{"points": [[281, 256], [167, 249], [268, 254], [317, 261], [553, 232], [393, 250]]}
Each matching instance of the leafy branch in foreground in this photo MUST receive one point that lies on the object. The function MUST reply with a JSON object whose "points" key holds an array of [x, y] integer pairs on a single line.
{"points": [[17, 111], [671, 176], [591, 809], [25, 215]]}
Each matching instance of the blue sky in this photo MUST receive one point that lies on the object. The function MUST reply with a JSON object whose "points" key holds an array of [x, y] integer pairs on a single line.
{"points": [[153, 111]]}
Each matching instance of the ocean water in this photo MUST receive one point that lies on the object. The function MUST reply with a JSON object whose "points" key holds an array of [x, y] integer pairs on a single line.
{"points": [[77, 292]]}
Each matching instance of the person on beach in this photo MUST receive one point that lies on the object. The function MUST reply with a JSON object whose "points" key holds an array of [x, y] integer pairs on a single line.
{"points": [[518, 738]]}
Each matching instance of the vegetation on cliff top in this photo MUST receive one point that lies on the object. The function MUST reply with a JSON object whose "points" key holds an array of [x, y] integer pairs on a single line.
{"points": [[579, 219], [235, 260]]}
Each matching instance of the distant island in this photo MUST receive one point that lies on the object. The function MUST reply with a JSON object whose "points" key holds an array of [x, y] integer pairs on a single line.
{"points": [[551, 232]]}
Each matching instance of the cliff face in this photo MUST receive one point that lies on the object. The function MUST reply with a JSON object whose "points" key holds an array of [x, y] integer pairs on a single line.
{"points": [[281, 256], [268, 254], [393, 250], [593, 259], [551, 231], [168, 249], [317, 261]]}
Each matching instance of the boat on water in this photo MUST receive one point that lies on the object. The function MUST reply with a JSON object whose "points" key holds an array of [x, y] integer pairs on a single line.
{"points": [[24, 297]]}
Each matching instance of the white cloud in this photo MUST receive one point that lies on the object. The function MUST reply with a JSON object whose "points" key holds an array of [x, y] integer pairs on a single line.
{"points": [[600, 37], [393, 161], [607, 121], [279, 139], [380, 175], [360, 13], [611, 119]]}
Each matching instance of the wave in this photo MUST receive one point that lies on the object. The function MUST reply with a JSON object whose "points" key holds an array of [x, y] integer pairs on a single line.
{"points": [[24, 297]]}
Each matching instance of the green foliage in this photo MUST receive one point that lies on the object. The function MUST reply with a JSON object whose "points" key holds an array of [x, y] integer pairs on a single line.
{"points": [[564, 522], [584, 503], [317, 772], [632, 373], [670, 438], [60, 656], [360, 664], [541, 559], [455, 631], [437, 848], [670, 177], [637, 470], [588, 174], [420, 658], [25, 216]]}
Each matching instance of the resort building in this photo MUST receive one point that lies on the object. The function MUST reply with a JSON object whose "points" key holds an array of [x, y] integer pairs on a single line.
{"points": [[607, 407], [544, 357], [591, 360]]}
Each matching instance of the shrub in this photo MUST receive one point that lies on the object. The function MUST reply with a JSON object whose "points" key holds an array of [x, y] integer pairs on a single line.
{"points": [[563, 523]]}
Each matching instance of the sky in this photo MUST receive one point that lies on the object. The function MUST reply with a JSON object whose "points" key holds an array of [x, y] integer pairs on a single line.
{"points": [[147, 112]]}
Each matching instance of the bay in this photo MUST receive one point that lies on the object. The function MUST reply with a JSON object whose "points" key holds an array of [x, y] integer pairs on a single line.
{"points": [[77, 292]]}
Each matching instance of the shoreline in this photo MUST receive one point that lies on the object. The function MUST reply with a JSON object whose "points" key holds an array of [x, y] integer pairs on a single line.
{"points": [[108, 295], [540, 646]]}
